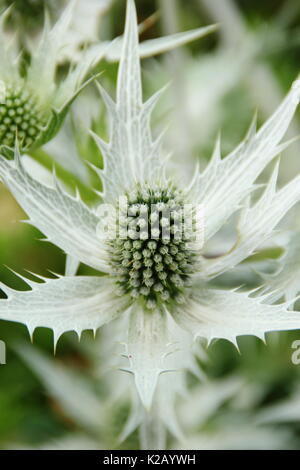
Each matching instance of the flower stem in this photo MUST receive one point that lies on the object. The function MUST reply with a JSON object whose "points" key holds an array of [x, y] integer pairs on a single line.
{"points": [[152, 433]]}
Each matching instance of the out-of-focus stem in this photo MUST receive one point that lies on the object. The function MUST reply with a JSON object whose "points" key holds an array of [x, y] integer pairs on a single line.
{"points": [[152, 433]]}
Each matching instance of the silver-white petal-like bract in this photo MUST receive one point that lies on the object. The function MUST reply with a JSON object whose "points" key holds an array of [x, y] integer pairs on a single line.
{"points": [[63, 304], [256, 224], [156, 46], [146, 348], [227, 314], [225, 182], [65, 220], [131, 156], [41, 73]]}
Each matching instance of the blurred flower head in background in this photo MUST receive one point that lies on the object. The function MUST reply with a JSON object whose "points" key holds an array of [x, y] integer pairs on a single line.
{"points": [[34, 105]]}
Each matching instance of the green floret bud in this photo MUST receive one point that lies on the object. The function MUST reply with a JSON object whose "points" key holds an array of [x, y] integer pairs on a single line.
{"points": [[20, 116]]}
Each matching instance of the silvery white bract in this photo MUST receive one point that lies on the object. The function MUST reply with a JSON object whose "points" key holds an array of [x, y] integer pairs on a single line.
{"points": [[159, 280]]}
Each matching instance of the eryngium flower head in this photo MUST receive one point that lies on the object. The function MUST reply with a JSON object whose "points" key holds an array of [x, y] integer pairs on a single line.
{"points": [[33, 105], [183, 305], [151, 254]]}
